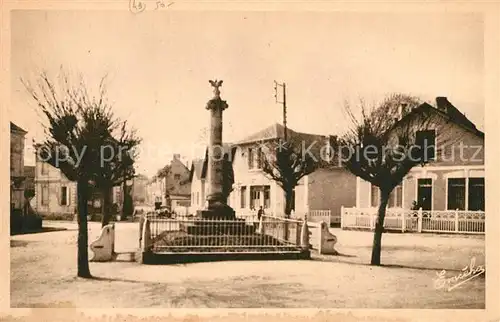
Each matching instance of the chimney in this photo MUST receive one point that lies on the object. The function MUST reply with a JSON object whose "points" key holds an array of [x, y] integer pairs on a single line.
{"points": [[177, 156], [442, 103]]}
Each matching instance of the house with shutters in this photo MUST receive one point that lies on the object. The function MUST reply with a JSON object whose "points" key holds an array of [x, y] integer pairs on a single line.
{"points": [[177, 184], [17, 174], [172, 190], [454, 177], [55, 195], [325, 189]]}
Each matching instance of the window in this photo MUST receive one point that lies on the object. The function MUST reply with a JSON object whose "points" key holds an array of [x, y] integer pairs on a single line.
{"points": [[243, 197], [255, 197], [267, 197], [64, 196], [259, 158], [45, 195], [456, 193], [375, 196], [197, 197], [426, 140], [250, 158], [424, 194], [476, 194], [45, 170], [396, 197], [177, 176]]}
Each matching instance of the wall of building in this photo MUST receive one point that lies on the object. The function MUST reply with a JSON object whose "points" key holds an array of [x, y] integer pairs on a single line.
{"points": [[198, 195], [17, 167], [458, 149], [439, 183], [178, 181], [455, 145], [54, 180], [244, 177], [330, 189]]}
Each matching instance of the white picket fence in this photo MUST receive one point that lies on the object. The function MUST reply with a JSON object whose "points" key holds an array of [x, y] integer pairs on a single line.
{"points": [[317, 216], [461, 222]]}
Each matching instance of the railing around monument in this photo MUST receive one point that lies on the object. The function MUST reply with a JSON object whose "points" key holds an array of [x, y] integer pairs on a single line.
{"points": [[188, 235]]}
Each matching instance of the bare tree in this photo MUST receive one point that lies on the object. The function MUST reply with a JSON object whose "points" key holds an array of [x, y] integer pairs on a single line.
{"points": [[286, 162], [77, 127], [118, 163], [384, 144]]}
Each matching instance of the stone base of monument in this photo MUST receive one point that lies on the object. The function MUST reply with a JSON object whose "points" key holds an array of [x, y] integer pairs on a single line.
{"points": [[151, 258], [219, 220], [208, 222]]}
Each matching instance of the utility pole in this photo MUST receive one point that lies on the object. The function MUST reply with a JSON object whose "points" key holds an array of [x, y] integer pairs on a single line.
{"points": [[283, 85]]}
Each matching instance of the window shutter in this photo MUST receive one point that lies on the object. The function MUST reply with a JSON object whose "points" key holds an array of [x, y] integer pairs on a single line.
{"points": [[58, 195], [250, 158]]}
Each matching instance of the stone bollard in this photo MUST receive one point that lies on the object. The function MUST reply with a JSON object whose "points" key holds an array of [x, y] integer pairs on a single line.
{"points": [[305, 235], [146, 243], [146, 236], [327, 240], [104, 246], [261, 229]]}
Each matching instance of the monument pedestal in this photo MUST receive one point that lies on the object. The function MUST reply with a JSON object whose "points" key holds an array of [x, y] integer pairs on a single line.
{"points": [[217, 210], [217, 219]]}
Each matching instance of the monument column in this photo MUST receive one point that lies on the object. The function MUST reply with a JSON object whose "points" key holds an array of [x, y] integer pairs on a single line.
{"points": [[217, 200], [215, 149]]}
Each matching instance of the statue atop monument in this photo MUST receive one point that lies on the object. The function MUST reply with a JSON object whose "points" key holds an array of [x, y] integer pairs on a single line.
{"points": [[216, 84]]}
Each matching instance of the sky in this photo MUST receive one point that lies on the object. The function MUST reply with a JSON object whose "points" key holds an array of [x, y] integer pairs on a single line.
{"points": [[158, 65]]}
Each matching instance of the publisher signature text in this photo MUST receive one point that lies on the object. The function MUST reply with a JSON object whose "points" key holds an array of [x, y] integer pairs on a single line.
{"points": [[468, 273]]}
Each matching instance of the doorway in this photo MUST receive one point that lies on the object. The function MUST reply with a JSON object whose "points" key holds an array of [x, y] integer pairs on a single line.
{"points": [[424, 194]]}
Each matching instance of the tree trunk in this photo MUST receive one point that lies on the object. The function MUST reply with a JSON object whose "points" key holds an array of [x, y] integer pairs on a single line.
{"points": [[124, 211], [288, 202], [83, 253], [106, 206], [288, 210], [379, 227]]}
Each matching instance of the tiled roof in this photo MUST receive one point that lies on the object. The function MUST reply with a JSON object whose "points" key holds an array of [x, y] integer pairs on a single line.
{"points": [[197, 169], [451, 113], [277, 131], [271, 132]]}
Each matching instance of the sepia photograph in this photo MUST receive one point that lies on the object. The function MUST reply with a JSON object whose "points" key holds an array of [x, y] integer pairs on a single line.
{"points": [[164, 158]]}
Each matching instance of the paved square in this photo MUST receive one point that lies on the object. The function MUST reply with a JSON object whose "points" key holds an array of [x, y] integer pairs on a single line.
{"points": [[43, 274]]}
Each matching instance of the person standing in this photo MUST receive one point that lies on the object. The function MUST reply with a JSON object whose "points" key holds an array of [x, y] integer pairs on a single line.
{"points": [[260, 213]]}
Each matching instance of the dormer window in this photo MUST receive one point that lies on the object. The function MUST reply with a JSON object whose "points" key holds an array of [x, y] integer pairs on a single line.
{"points": [[426, 140]]}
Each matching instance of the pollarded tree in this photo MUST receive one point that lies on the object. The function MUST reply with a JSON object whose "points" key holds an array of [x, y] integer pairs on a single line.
{"points": [[117, 165], [76, 130], [286, 163], [386, 142]]}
